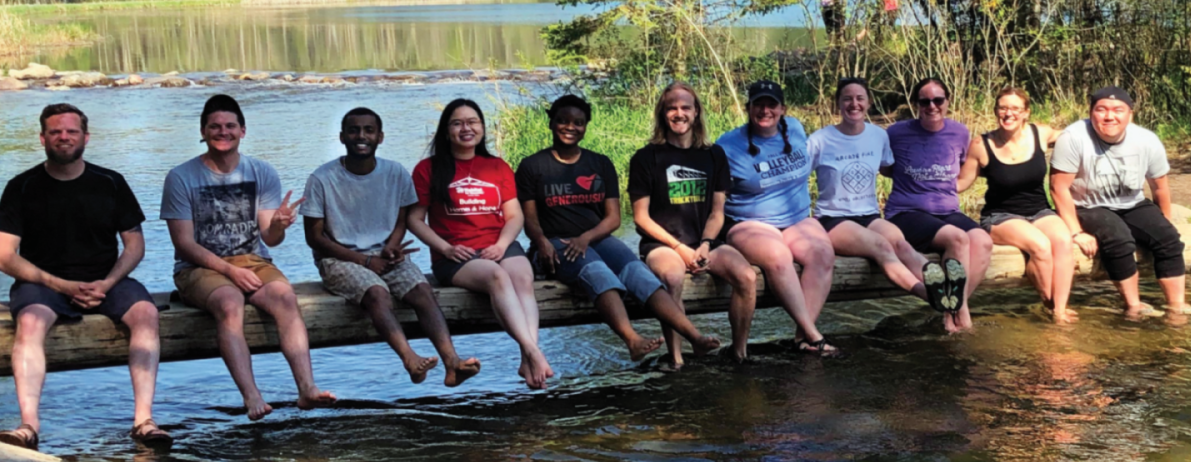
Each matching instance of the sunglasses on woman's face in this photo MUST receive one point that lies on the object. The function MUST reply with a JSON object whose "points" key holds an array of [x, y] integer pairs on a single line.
{"points": [[926, 102]]}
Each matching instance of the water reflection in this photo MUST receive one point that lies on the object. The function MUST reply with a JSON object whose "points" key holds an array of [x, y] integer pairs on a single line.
{"points": [[328, 39]]}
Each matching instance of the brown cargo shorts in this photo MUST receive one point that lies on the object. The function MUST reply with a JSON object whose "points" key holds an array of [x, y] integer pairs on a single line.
{"points": [[195, 285]]}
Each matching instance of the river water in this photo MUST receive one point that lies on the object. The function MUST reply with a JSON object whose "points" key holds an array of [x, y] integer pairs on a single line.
{"points": [[1018, 388]]}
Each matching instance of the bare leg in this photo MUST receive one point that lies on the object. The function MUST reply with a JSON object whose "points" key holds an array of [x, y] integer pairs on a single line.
{"points": [[277, 298], [727, 263], [521, 274], [28, 360], [762, 245], [671, 315], [227, 305], [1062, 250], [144, 353], [668, 266], [909, 256], [811, 248], [434, 324], [1041, 266], [612, 309], [1174, 289], [980, 257], [851, 239], [1131, 294], [486, 276], [378, 303]]}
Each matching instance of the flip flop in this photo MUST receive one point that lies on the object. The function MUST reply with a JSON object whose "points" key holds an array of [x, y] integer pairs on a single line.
{"points": [[13, 438], [957, 282], [935, 281], [1148, 311], [154, 437]]}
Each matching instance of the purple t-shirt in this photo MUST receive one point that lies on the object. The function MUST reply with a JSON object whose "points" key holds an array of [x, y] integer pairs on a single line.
{"points": [[925, 166]]}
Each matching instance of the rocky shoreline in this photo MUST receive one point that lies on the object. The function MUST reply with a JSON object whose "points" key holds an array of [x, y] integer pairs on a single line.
{"points": [[38, 76]]}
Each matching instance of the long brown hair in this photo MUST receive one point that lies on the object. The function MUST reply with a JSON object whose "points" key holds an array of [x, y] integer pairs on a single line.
{"points": [[661, 127]]}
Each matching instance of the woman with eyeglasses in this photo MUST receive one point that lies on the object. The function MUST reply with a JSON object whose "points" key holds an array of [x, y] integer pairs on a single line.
{"points": [[1016, 212], [767, 209], [924, 202], [846, 158], [468, 215]]}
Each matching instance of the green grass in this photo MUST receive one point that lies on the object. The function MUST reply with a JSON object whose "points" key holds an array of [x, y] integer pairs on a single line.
{"points": [[44, 8], [19, 36]]}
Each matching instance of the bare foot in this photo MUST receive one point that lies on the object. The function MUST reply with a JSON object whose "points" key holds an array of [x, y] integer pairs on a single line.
{"points": [[963, 319], [704, 345], [523, 370], [417, 367], [949, 323], [1064, 316], [460, 370], [536, 375], [314, 398], [257, 408], [642, 346], [740, 352]]}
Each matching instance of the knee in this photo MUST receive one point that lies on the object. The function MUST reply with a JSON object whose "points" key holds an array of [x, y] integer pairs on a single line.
{"points": [[953, 238], [377, 297], [142, 316], [228, 310], [980, 241], [743, 278], [1039, 249], [673, 279], [33, 323], [822, 255], [499, 280], [904, 248]]}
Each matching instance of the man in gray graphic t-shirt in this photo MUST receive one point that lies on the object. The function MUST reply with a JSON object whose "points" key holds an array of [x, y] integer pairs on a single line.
{"points": [[1099, 169]]}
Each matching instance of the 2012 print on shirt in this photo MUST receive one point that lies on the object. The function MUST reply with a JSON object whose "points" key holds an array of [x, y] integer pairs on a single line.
{"points": [[687, 185], [225, 218]]}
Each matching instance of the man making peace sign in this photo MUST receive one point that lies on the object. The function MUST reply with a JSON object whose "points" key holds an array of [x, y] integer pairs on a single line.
{"points": [[223, 209]]}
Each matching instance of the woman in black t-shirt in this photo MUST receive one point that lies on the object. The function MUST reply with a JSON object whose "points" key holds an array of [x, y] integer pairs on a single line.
{"points": [[678, 183], [571, 198]]}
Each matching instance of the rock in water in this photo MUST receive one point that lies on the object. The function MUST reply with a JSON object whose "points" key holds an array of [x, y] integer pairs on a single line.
{"points": [[135, 80], [34, 71], [255, 76], [84, 80], [12, 84], [167, 81]]}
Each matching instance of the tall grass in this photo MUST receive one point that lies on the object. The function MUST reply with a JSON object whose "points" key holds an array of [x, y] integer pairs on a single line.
{"points": [[20, 36]]}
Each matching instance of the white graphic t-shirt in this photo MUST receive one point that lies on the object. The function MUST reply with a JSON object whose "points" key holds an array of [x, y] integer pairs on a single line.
{"points": [[846, 170]]}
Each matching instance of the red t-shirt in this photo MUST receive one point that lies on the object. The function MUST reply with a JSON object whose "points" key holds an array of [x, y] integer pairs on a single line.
{"points": [[474, 216]]}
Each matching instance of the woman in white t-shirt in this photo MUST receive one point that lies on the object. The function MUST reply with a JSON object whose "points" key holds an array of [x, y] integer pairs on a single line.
{"points": [[846, 158]]}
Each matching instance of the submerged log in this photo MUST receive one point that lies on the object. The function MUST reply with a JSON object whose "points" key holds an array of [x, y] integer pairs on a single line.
{"points": [[189, 333]]}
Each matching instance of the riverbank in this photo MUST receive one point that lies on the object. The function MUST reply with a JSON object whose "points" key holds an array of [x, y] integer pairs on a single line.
{"points": [[19, 36]]}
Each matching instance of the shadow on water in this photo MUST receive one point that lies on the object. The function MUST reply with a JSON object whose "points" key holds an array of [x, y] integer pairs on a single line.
{"points": [[1018, 388]]}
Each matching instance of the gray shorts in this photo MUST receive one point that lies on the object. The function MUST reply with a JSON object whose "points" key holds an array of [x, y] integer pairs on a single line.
{"points": [[987, 222], [352, 281]]}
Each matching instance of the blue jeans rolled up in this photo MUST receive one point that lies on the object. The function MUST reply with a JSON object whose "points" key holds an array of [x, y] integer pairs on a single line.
{"points": [[607, 265]]}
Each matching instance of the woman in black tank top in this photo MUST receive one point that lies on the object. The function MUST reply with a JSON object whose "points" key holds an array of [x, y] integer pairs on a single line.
{"points": [[1016, 210]]}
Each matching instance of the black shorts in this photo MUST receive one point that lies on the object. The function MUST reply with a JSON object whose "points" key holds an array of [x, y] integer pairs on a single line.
{"points": [[117, 302], [644, 248], [862, 220], [920, 228], [444, 270]]}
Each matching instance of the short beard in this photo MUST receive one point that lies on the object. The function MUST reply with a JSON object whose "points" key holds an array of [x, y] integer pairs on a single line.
{"points": [[63, 158]]}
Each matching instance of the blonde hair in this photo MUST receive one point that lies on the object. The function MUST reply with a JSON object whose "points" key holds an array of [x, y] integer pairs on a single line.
{"points": [[661, 127], [1015, 92]]}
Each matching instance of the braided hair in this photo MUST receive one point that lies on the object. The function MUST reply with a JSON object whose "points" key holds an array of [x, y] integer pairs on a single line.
{"points": [[781, 128]]}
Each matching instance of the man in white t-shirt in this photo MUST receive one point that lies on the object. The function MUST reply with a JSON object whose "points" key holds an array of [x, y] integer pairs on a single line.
{"points": [[1098, 172], [355, 222]]}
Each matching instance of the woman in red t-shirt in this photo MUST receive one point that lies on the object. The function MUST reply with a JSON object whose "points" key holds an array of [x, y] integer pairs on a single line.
{"points": [[470, 198]]}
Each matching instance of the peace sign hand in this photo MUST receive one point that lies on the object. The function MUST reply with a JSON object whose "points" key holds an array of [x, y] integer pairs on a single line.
{"points": [[286, 214]]}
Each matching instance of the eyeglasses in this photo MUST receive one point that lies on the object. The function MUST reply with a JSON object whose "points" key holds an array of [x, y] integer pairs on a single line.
{"points": [[926, 102], [1011, 109]]}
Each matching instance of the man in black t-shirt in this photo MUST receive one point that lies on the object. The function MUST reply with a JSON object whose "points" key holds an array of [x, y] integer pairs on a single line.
{"points": [[58, 226]]}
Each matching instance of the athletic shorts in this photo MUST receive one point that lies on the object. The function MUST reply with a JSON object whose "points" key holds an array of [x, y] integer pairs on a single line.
{"points": [[351, 281], [862, 220], [987, 222], [115, 304], [920, 228], [444, 269], [195, 285]]}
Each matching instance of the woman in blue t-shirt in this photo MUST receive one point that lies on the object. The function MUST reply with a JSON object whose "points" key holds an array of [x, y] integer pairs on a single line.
{"points": [[846, 158], [767, 209]]}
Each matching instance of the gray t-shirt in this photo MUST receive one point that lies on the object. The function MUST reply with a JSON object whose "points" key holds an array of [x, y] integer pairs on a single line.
{"points": [[360, 210], [1109, 175], [223, 206], [846, 168]]}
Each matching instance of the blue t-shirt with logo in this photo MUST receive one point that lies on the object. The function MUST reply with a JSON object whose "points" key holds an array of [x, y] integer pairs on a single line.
{"points": [[770, 187]]}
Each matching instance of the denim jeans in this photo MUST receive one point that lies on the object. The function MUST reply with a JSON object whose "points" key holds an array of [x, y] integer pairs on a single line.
{"points": [[608, 264]]}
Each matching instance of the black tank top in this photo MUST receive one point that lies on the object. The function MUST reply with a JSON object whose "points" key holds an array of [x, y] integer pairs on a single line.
{"points": [[1016, 188]]}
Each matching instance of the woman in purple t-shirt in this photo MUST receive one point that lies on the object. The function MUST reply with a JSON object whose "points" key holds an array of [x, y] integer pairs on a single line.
{"points": [[924, 204]]}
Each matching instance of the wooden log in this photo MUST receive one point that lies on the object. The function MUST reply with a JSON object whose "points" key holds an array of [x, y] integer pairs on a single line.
{"points": [[189, 333], [13, 453]]}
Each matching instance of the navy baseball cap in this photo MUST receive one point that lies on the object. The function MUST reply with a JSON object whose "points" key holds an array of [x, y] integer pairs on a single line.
{"points": [[766, 89], [1111, 92]]}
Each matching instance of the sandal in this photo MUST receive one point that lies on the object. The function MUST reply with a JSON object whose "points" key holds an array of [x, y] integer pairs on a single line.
{"points": [[936, 285], [957, 282], [12, 437], [154, 437], [817, 347]]}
